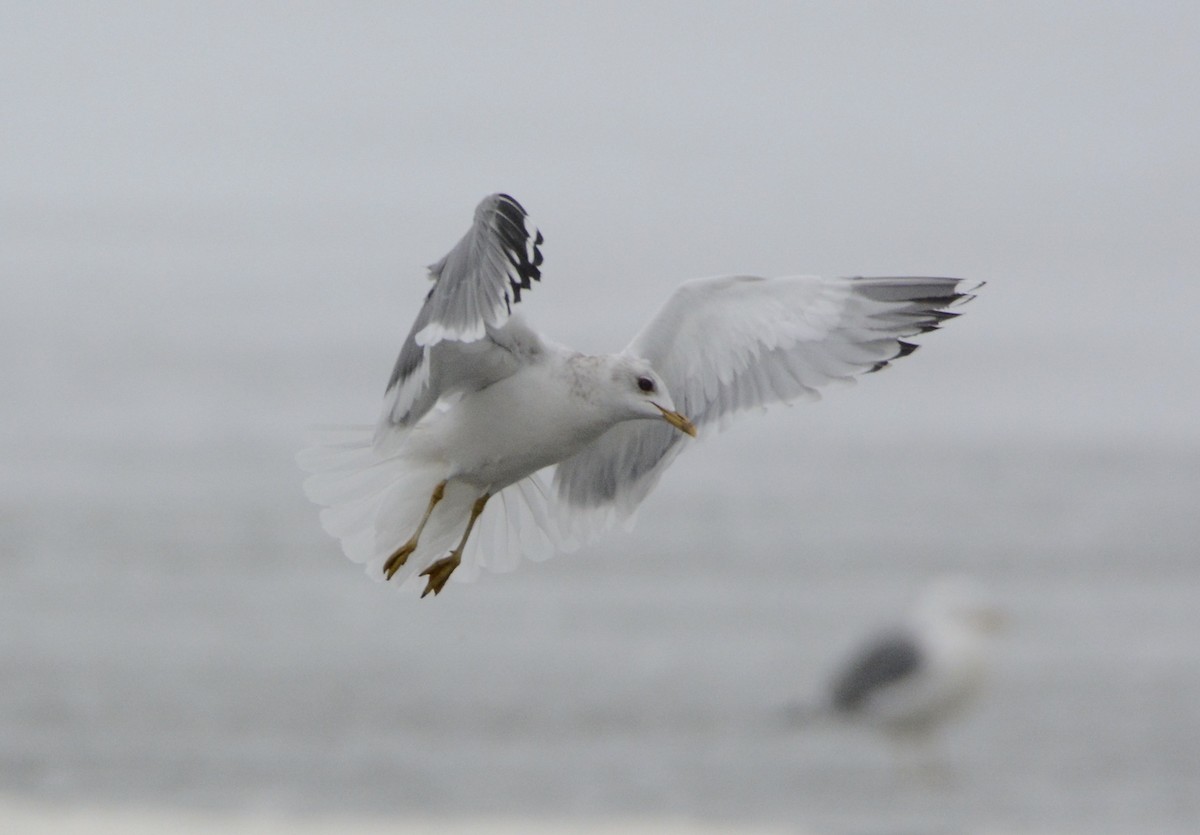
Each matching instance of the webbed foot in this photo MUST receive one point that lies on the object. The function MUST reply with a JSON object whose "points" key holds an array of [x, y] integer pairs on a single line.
{"points": [[439, 572], [397, 560]]}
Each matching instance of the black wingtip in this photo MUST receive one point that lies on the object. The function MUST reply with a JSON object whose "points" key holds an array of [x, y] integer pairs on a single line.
{"points": [[508, 198], [913, 305], [515, 235], [935, 318], [906, 348]]}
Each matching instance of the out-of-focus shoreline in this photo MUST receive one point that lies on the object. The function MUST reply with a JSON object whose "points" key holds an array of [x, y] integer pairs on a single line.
{"points": [[17, 815]]}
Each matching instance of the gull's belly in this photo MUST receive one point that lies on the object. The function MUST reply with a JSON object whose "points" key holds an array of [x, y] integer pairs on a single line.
{"points": [[514, 428]]}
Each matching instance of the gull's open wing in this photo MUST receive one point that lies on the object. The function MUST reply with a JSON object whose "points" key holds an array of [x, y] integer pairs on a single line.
{"points": [[724, 345], [462, 338]]}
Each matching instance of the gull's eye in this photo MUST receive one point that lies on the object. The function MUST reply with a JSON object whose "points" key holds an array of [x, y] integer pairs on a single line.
{"points": [[645, 384]]}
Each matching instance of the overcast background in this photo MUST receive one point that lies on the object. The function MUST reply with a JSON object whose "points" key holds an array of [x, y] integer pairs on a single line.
{"points": [[214, 220]]}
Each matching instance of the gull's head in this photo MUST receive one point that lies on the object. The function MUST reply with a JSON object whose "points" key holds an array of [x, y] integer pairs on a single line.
{"points": [[639, 393], [961, 604]]}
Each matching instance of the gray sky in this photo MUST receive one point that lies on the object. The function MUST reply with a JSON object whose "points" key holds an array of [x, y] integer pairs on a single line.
{"points": [[287, 169]]}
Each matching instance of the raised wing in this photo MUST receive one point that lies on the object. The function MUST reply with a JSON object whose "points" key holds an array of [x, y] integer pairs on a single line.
{"points": [[462, 338], [724, 345]]}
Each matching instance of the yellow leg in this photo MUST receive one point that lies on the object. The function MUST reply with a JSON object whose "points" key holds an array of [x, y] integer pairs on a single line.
{"points": [[439, 571], [402, 553]]}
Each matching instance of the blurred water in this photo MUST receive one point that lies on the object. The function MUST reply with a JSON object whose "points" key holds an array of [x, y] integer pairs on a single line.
{"points": [[175, 629]]}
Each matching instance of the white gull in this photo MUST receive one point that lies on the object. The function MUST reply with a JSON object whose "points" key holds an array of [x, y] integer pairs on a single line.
{"points": [[479, 403]]}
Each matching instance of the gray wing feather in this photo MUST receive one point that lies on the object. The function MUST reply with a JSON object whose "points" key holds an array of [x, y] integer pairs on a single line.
{"points": [[411, 354], [726, 345], [616, 472], [890, 660], [453, 343], [482, 277]]}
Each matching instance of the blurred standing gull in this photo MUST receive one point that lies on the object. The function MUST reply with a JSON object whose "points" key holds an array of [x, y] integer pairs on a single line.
{"points": [[478, 402], [910, 679]]}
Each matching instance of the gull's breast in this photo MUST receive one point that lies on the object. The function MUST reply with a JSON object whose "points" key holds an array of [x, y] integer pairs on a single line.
{"points": [[513, 428]]}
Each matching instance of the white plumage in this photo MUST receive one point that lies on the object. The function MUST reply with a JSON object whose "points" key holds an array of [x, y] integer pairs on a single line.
{"points": [[479, 403]]}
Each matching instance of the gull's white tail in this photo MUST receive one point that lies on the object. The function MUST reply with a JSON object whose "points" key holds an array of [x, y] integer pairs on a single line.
{"points": [[373, 502]]}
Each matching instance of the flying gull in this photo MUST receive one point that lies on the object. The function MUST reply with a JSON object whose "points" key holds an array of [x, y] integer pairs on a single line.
{"points": [[479, 403]]}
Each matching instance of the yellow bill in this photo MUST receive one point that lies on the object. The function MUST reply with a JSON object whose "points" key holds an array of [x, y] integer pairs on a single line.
{"points": [[678, 421]]}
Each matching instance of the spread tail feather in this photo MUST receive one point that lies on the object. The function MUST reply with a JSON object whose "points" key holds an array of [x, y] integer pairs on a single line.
{"points": [[374, 500]]}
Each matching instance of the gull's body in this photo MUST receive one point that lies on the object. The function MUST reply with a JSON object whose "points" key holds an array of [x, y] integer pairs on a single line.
{"points": [[553, 406], [479, 403]]}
